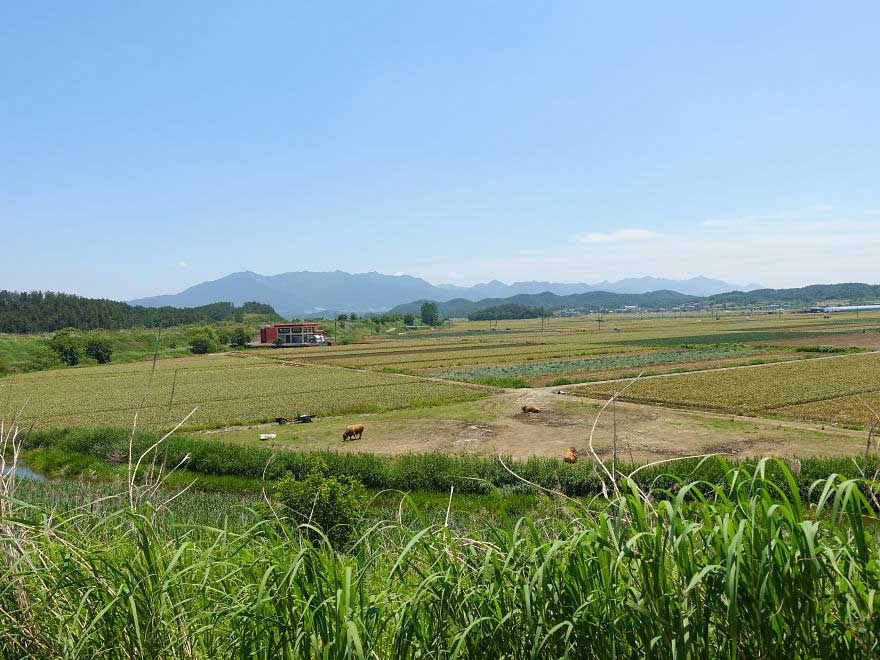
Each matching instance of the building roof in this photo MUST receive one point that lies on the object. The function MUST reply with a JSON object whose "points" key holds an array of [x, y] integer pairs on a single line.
{"points": [[305, 324]]}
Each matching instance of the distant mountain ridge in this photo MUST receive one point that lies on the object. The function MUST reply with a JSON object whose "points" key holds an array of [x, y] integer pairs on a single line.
{"points": [[589, 300], [306, 293], [605, 300]]}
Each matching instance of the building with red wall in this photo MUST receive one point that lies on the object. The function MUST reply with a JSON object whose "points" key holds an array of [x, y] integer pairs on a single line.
{"points": [[292, 334]]}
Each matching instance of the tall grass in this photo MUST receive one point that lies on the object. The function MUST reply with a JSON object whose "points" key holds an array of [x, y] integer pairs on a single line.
{"points": [[738, 569]]}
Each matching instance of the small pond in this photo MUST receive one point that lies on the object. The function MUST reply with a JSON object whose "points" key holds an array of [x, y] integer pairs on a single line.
{"points": [[23, 472]]}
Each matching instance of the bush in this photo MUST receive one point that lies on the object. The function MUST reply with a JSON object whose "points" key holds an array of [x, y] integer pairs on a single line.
{"points": [[66, 348], [239, 337], [330, 504], [99, 349], [224, 335], [204, 340]]}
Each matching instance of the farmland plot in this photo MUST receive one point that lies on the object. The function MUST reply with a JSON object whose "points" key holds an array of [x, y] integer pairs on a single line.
{"points": [[781, 387], [224, 391], [596, 364]]}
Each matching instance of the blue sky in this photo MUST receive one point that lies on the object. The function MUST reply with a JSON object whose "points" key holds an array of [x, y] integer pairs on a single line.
{"points": [[146, 148]]}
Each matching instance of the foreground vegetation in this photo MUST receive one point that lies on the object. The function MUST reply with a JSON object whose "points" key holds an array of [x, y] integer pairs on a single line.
{"points": [[741, 568]]}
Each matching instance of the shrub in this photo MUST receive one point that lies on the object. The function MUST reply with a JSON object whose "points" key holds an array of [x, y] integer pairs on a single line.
{"points": [[329, 504], [239, 337], [66, 348], [99, 349], [204, 340]]}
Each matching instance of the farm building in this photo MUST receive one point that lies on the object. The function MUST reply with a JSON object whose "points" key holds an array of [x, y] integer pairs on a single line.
{"points": [[292, 334]]}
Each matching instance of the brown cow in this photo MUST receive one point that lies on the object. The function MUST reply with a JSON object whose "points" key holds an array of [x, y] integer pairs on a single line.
{"points": [[353, 432], [531, 408], [571, 455]]}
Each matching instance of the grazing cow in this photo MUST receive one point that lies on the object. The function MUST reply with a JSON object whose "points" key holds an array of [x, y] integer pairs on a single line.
{"points": [[571, 455], [353, 432], [531, 408]]}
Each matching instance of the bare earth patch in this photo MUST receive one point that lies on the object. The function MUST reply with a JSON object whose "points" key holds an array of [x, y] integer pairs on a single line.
{"points": [[497, 425]]}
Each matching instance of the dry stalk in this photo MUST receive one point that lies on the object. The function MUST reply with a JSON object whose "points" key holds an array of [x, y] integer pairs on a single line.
{"points": [[12, 551], [599, 461], [137, 413], [133, 470], [449, 507]]}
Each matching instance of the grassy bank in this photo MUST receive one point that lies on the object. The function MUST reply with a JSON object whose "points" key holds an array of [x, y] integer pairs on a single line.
{"points": [[27, 353], [223, 466]]}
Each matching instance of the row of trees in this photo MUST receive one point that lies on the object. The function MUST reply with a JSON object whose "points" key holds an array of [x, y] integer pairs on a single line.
{"points": [[429, 314], [507, 311], [38, 311]]}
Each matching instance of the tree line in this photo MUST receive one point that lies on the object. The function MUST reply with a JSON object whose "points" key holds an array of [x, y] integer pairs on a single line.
{"points": [[511, 311], [39, 311]]}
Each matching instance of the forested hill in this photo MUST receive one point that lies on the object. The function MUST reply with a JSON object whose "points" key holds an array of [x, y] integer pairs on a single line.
{"points": [[40, 311], [596, 300], [603, 300], [852, 292]]}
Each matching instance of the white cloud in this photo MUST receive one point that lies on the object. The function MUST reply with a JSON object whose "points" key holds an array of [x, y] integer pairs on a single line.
{"points": [[619, 235], [183, 264]]}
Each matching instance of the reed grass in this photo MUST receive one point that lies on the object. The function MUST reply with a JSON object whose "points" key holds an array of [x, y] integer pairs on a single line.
{"points": [[744, 568]]}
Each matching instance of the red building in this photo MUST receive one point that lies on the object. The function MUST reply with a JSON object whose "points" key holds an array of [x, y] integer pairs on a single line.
{"points": [[292, 334]]}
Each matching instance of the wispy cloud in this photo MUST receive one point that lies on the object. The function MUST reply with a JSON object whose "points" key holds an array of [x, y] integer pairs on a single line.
{"points": [[183, 264], [785, 215], [619, 235]]}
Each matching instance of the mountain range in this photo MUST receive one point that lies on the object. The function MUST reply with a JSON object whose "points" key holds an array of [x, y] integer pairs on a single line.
{"points": [[306, 293], [589, 300]]}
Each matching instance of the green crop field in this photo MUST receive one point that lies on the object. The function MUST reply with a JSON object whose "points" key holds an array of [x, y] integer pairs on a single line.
{"points": [[596, 364], [806, 384], [224, 389]]}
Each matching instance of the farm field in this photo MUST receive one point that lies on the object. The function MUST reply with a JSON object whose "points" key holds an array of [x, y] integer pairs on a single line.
{"points": [[869, 340], [597, 364], [414, 394], [804, 389], [225, 389]]}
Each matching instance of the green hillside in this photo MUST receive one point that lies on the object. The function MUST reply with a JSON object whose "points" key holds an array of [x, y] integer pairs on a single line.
{"points": [[39, 311]]}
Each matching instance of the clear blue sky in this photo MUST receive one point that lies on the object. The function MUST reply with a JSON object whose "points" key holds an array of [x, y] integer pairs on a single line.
{"points": [[146, 148]]}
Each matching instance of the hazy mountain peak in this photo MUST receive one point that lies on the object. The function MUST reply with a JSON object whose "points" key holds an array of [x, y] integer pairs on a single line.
{"points": [[304, 293]]}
